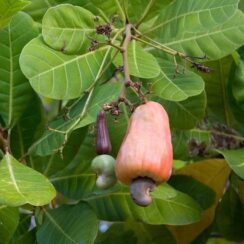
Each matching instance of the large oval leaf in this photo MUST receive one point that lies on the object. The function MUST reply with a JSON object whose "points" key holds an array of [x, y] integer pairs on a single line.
{"points": [[141, 63], [211, 39], [68, 224], [59, 76], [176, 87], [15, 92], [168, 207], [68, 28], [20, 184]]}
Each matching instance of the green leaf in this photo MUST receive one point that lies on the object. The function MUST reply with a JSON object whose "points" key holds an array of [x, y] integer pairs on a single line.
{"points": [[77, 179], [68, 28], [29, 127], [52, 140], [68, 224], [38, 8], [15, 93], [20, 184], [230, 216], [141, 63], [176, 87], [168, 207], [10, 8], [190, 111], [136, 232], [213, 173], [235, 159], [201, 193], [9, 219], [60, 76], [197, 28]]}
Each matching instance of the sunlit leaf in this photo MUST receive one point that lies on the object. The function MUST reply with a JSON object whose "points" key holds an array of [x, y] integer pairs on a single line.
{"points": [[9, 8], [168, 207], [20, 184], [141, 63], [68, 28], [57, 75]]}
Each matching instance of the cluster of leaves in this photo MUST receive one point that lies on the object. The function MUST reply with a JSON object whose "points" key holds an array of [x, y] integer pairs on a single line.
{"points": [[60, 62]]}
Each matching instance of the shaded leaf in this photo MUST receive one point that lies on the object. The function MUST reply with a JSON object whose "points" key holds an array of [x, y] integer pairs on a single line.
{"points": [[168, 207], [201, 193], [77, 179], [54, 138], [68, 224], [57, 75], [10, 8], [235, 159], [9, 219], [20, 184], [213, 173], [230, 216], [16, 92], [29, 128], [68, 28], [190, 111], [141, 63], [176, 87]]}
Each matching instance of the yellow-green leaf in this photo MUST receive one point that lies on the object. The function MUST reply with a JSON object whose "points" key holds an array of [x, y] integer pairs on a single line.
{"points": [[20, 184]]}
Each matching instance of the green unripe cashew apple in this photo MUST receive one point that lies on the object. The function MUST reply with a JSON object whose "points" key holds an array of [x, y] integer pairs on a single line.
{"points": [[145, 157], [103, 165]]}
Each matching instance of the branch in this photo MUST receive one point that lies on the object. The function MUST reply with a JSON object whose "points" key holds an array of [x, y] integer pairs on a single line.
{"points": [[125, 52]]}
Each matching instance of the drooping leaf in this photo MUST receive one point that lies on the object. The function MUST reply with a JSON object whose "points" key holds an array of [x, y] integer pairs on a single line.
{"points": [[190, 111], [10, 8], [9, 219], [213, 28], [235, 159], [141, 63], [68, 224], [168, 207], [54, 138], [20, 184], [59, 76], [214, 173], [68, 28], [230, 216], [176, 87], [15, 93]]}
